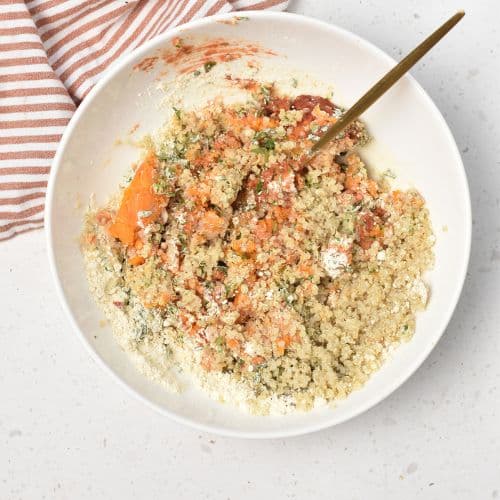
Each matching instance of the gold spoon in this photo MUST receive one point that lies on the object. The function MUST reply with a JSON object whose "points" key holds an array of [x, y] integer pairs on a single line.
{"points": [[386, 82]]}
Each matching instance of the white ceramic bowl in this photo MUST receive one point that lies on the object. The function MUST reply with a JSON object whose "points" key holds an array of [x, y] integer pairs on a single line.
{"points": [[411, 137]]}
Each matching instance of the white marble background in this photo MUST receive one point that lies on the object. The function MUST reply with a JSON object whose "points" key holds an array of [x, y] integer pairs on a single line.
{"points": [[67, 431]]}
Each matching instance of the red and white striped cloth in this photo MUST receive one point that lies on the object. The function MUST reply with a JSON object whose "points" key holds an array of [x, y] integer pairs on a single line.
{"points": [[51, 54]]}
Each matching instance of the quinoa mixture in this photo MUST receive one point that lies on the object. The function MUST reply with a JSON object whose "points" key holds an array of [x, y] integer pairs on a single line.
{"points": [[272, 282]]}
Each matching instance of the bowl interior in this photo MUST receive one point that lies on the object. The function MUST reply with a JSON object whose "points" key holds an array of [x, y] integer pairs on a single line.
{"points": [[412, 139]]}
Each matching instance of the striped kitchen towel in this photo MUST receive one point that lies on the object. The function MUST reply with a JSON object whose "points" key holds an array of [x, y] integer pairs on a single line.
{"points": [[51, 54]]}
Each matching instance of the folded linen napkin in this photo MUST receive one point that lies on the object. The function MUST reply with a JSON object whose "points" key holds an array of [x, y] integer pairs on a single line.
{"points": [[51, 54]]}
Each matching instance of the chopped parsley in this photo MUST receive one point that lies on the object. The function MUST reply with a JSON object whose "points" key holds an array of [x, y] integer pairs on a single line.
{"points": [[268, 143], [229, 290], [172, 309], [264, 140], [161, 187], [177, 112], [220, 342], [261, 151], [171, 157], [209, 65], [266, 93], [222, 268], [183, 243], [203, 268], [259, 187]]}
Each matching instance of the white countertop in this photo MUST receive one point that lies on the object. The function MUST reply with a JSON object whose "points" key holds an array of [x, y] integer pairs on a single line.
{"points": [[67, 431]]}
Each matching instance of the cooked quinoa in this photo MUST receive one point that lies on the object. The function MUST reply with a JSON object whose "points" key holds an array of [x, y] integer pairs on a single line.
{"points": [[270, 280]]}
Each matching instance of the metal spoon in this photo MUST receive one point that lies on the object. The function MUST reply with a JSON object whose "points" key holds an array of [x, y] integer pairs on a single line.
{"points": [[385, 83]]}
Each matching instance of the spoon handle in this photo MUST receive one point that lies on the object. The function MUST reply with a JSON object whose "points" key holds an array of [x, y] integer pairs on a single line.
{"points": [[387, 81]]}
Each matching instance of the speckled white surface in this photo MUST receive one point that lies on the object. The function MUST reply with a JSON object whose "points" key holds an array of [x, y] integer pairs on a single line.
{"points": [[67, 431]]}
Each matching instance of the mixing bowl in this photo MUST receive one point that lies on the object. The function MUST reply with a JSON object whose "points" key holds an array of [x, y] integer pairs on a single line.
{"points": [[411, 138]]}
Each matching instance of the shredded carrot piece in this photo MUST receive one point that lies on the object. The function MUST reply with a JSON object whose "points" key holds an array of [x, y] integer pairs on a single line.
{"points": [[138, 197], [233, 344], [137, 260], [211, 225], [244, 247], [305, 269], [165, 298], [103, 217], [372, 188], [264, 229], [257, 360]]}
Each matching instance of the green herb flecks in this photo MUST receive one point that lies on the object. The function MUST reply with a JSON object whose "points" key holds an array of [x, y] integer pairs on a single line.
{"points": [[202, 266], [183, 243], [266, 93], [177, 112], [229, 290], [221, 268], [170, 156], [220, 343], [261, 151], [172, 309], [264, 140], [268, 143], [161, 187], [209, 65]]}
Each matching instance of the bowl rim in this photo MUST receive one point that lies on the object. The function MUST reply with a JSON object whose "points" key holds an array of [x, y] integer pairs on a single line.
{"points": [[389, 388]]}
